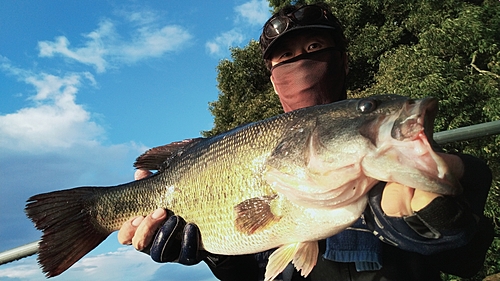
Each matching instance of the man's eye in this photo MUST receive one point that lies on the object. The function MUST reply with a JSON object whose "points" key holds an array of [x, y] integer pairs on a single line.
{"points": [[285, 55], [314, 46]]}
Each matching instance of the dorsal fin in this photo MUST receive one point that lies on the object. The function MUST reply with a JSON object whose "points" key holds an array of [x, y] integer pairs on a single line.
{"points": [[158, 157]]}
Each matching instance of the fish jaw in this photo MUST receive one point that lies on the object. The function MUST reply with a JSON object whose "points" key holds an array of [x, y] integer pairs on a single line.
{"points": [[403, 152]]}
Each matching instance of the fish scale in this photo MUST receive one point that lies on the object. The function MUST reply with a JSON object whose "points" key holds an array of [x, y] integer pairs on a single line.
{"points": [[284, 183]]}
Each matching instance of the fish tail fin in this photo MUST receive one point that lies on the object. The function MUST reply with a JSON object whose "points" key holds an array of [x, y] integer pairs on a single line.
{"points": [[69, 227]]}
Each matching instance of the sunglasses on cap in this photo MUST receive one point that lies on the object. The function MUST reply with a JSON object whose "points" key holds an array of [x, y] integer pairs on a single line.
{"points": [[306, 15]]}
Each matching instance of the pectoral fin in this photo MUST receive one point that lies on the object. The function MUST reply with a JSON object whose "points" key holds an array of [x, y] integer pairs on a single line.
{"points": [[255, 214], [302, 254]]}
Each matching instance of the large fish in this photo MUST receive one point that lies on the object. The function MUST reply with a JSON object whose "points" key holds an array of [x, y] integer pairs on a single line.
{"points": [[284, 182]]}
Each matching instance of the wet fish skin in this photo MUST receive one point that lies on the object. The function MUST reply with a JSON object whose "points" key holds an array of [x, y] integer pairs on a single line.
{"points": [[263, 185]]}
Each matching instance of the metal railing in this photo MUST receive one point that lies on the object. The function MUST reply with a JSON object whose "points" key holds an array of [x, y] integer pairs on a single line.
{"points": [[460, 134], [468, 133], [19, 252]]}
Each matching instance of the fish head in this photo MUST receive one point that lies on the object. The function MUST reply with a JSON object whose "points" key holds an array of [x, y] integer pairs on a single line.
{"points": [[331, 155], [403, 148]]}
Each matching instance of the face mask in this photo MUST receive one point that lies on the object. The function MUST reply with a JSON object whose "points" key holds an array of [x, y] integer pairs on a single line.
{"points": [[310, 79]]}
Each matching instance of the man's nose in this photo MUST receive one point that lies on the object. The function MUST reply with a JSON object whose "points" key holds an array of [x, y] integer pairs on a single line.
{"points": [[301, 51]]}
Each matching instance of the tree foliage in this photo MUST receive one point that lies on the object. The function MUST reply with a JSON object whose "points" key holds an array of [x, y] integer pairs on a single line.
{"points": [[246, 92], [448, 49]]}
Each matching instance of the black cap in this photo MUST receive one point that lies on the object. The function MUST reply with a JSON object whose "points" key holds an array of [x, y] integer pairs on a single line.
{"points": [[328, 22]]}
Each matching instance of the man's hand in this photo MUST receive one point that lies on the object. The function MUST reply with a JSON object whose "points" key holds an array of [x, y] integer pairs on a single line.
{"points": [[142, 174], [399, 200], [169, 240], [139, 231]]}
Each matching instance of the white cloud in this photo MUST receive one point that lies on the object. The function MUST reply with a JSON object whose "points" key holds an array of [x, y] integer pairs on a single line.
{"points": [[224, 41], [143, 17], [21, 271], [97, 267], [255, 12], [105, 47], [94, 51], [123, 264], [52, 142], [150, 42], [54, 120]]}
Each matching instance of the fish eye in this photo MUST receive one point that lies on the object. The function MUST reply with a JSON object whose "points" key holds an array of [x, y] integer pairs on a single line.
{"points": [[367, 105]]}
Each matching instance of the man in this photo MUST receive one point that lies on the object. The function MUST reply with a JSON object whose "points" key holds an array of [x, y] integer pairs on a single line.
{"points": [[417, 233]]}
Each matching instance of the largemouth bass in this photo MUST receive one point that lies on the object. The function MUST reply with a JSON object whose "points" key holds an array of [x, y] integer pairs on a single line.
{"points": [[284, 182]]}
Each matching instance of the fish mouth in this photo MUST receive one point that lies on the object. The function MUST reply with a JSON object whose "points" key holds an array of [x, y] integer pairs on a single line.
{"points": [[416, 120], [413, 130]]}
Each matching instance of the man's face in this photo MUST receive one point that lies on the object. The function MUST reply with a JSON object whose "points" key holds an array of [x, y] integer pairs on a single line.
{"points": [[301, 42], [314, 77]]}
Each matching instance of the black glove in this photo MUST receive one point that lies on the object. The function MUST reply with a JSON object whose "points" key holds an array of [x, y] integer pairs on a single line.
{"points": [[178, 241]]}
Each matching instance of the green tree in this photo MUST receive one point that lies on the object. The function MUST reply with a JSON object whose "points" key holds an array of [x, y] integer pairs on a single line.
{"points": [[443, 48], [454, 56], [246, 92]]}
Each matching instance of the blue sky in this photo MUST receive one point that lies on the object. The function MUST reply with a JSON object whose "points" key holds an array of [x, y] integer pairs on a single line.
{"points": [[87, 86]]}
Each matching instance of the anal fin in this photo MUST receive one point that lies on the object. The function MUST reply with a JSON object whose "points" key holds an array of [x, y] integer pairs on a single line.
{"points": [[306, 257], [302, 254]]}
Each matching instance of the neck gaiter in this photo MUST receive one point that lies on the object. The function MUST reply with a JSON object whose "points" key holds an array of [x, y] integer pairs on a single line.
{"points": [[310, 79]]}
